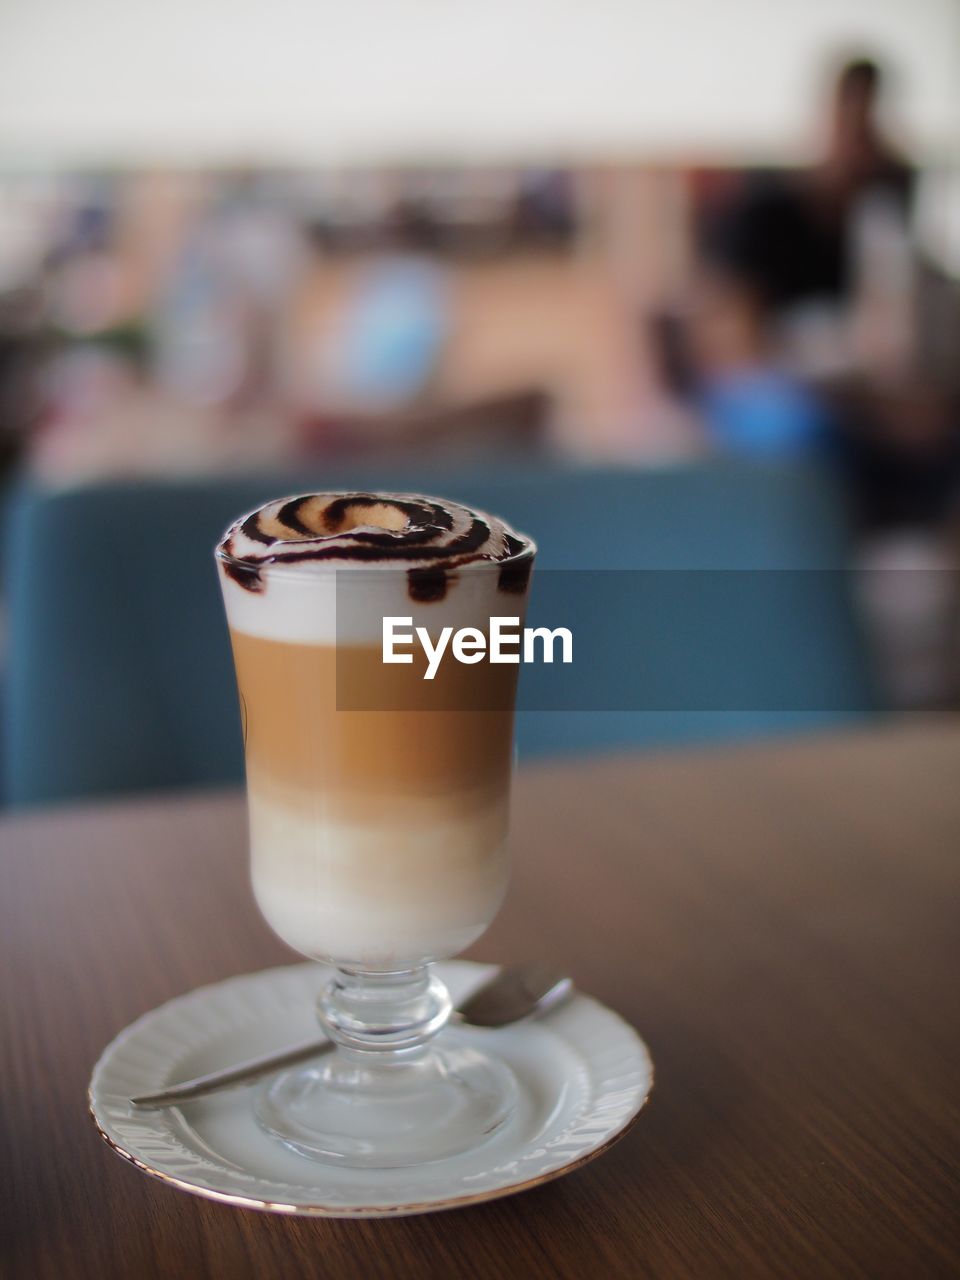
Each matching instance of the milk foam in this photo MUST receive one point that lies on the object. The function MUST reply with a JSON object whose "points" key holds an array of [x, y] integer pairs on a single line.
{"points": [[378, 895], [367, 556]]}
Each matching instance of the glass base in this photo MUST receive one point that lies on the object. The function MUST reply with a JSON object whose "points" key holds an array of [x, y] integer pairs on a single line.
{"points": [[339, 1109]]}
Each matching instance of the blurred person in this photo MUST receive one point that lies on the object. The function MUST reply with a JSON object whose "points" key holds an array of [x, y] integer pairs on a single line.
{"points": [[782, 260], [809, 300], [801, 340], [820, 261], [787, 237], [802, 332]]}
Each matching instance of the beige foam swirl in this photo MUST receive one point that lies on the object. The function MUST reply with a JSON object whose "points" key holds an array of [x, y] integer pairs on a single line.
{"points": [[369, 528]]}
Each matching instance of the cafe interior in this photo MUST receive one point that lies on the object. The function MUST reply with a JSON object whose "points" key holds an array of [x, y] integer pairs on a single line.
{"points": [[668, 304], [312, 981]]}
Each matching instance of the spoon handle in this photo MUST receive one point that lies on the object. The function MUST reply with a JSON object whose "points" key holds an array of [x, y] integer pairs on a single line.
{"points": [[241, 1073]]}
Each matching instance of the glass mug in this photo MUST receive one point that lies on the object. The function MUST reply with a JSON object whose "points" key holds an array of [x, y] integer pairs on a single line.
{"points": [[378, 810]]}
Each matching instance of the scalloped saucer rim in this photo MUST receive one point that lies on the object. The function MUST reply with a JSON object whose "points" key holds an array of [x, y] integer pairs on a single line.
{"points": [[585, 1075]]}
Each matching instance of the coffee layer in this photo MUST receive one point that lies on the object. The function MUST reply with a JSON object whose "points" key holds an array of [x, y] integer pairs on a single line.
{"points": [[296, 737]]}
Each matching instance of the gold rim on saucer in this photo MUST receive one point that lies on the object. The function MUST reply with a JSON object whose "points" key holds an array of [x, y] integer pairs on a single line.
{"points": [[584, 1072]]}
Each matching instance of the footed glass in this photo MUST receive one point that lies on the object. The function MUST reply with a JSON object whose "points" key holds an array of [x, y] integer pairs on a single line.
{"points": [[378, 805]]}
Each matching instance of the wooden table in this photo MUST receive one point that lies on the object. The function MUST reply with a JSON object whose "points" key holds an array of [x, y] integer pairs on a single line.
{"points": [[780, 922]]}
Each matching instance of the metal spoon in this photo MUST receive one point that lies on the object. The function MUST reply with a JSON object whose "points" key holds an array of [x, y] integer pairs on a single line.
{"points": [[509, 996]]}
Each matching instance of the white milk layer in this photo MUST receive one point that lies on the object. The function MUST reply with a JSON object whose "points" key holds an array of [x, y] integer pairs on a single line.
{"points": [[378, 895], [346, 605]]}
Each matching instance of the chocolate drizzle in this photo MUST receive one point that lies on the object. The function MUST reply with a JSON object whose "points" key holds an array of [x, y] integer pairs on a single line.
{"points": [[515, 573], [426, 586], [288, 515], [247, 575], [251, 529], [475, 537], [437, 538]]}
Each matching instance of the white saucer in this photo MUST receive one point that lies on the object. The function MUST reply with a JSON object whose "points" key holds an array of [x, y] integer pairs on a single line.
{"points": [[584, 1074]]}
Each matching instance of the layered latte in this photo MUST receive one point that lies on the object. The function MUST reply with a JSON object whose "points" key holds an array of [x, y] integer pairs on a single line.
{"points": [[378, 801]]}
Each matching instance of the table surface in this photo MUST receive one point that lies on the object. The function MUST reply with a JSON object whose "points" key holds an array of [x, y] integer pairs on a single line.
{"points": [[780, 922]]}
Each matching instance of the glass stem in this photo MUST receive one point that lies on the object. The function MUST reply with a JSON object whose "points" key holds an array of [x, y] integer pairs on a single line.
{"points": [[384, 1018]]}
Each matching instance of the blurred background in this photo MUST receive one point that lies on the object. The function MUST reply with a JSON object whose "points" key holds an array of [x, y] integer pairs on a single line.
{"points": [[686, 272]]}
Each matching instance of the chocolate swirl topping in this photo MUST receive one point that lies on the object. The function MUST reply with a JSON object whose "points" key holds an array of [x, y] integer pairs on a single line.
{"points": [[434, 537]]}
